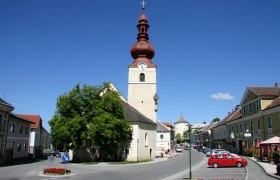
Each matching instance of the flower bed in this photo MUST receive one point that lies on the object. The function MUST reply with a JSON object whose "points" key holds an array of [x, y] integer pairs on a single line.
{"points": [[56, 171]]}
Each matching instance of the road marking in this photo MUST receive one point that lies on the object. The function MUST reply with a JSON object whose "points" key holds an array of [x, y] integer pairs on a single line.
{"points": [[183, 173]]}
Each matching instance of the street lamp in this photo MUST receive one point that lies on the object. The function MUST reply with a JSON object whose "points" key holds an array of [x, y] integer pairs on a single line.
{"points": [[210, 146], [247, 135], [190, 152]]}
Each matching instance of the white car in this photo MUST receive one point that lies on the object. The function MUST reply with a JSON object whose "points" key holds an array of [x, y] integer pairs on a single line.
{"points": [[178, 149]]}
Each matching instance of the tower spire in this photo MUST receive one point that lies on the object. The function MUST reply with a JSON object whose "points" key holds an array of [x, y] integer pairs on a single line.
{"points": [[143, 50]]}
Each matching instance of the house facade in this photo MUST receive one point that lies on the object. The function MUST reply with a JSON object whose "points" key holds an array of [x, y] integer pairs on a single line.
{"points": [[163, 139], [5, 109], [260, 117], [17, 144], [35, 149]]}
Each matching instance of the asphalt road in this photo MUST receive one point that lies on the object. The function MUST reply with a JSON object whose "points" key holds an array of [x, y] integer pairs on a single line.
{"points": [[176, 168], [165, 170]]}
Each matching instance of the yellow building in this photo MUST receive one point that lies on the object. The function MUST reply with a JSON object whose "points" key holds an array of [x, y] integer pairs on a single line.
{"points": [[260, 117]]}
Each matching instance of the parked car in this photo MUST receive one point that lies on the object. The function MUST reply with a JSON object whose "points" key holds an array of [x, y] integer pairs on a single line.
{"points": [[223, 160], [199, 148], [186, 147], [217, 151], [57, 154], [208, 153], [178, 148]]}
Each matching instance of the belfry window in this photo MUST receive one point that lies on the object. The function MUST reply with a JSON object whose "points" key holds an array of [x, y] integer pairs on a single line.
{"points": [[142, 77]]}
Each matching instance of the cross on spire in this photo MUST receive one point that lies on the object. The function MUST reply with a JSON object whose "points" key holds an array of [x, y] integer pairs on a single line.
{"points": [[143, 4]]}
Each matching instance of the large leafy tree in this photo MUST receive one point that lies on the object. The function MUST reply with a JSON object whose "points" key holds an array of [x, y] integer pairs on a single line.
{"points": [[178, 138], [90, 117]]}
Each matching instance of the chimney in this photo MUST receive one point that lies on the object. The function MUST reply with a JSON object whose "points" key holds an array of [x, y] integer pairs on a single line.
{"points": [[237, 107], [276, 84]]}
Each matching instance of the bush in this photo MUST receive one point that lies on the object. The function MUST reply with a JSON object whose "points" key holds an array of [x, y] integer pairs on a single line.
{"points": [[56, 171], [275, 156], [249, 152]]}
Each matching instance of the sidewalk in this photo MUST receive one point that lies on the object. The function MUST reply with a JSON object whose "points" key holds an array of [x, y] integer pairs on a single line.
{"points": [[270, 169]]}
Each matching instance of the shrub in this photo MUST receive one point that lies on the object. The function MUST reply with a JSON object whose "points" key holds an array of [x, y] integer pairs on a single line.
{"points": [[56, 171], [249, 152]]}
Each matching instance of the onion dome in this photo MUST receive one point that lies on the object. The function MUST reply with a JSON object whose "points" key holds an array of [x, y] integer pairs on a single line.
{"points": [[142, 48]]}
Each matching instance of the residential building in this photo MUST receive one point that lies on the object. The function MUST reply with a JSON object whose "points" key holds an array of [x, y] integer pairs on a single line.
{"points": [[163, 139], [172, 133], [17, 143], [35, 150], [260, 117], [5, 109], [205, 135], [221, 134], [45, 139]]}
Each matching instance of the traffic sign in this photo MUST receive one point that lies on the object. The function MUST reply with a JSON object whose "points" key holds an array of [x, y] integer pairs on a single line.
{"points": [[65, 157]]}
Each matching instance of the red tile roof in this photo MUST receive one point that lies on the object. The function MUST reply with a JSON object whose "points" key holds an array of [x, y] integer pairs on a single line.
{"points": [[167, 125], [33, 118], [266, 91]]}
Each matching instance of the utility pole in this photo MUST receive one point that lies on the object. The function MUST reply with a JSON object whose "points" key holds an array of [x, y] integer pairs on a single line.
{"points": [[190, 153]]}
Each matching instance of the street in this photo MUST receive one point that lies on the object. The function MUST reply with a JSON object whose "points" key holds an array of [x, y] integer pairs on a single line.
{"points": [[176, 168]]}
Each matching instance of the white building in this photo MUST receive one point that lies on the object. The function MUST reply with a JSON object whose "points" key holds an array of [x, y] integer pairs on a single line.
{"points": [[163, 139]]}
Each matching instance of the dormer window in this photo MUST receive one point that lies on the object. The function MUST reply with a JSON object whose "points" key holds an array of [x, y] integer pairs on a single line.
{"points": [[142, 77]]}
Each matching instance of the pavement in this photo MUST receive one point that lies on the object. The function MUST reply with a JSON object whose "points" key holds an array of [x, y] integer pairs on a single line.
{"points": [[270, 169]]}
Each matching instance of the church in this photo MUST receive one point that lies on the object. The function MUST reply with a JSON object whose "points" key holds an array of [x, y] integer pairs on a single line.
{"points": [[142, 101]]}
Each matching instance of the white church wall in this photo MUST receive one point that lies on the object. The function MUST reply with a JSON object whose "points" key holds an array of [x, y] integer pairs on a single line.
{"points": [[181, 128], [163, 142]]}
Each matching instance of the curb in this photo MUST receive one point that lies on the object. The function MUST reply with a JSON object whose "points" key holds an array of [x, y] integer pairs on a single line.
{"points": [[269, 174]]}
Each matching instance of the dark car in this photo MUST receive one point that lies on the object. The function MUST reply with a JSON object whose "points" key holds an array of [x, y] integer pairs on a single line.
{"points": [[199, 148], [223, 160], [57, 154]]}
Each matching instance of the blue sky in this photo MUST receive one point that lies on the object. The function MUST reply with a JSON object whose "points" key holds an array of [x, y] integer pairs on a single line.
{"points": [[205, 49]]}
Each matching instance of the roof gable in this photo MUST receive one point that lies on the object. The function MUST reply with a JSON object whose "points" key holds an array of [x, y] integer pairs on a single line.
{"points": [[33, 118], [271, 92], [161, 128]]}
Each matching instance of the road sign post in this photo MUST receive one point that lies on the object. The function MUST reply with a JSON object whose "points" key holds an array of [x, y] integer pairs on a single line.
{"points": [[65, 159]]}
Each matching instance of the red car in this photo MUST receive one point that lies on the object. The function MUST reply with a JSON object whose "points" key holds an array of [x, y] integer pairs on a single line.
{"points": [[220, 160]]}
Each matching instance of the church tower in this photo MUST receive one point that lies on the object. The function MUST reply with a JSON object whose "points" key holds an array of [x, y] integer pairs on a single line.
{"points": [[142, 83]]}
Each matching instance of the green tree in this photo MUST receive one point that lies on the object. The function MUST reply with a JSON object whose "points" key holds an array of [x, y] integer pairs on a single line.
{"points": [[186, 136], [86, 119], [215, 120], [178, 138]]}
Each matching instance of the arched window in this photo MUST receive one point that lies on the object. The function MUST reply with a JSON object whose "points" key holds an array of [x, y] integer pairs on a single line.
{"points": [[146, 139], [142, 77]]}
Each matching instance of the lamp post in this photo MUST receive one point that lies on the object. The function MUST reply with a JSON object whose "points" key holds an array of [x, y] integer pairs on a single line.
{"points": [[190, 152], [247, 135], [210, 146]]}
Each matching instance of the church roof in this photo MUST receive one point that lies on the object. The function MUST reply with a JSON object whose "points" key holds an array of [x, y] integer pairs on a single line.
{"points": [[134, 116], [161, 128], [181, 120]]}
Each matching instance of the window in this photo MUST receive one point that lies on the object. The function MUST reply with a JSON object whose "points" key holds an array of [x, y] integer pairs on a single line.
{"points": [[228, 157], [236, 129], [20, 129], [244, 110], [19, 147], [252, 128], [24, 147], [245, 127], [146, 139], [12, 128], [26, 130], [259, 124], [142, 77], [250, 107], [161, 136], [241, 128], [269, 124], [220, 156], [0, 120], [258, 105]]}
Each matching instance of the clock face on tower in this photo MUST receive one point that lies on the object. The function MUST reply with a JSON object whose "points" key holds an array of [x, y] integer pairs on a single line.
{"points": [[142, 66]]}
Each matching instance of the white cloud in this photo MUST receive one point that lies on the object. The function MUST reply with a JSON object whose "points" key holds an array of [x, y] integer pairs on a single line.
{"points": [[222, 96]]}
